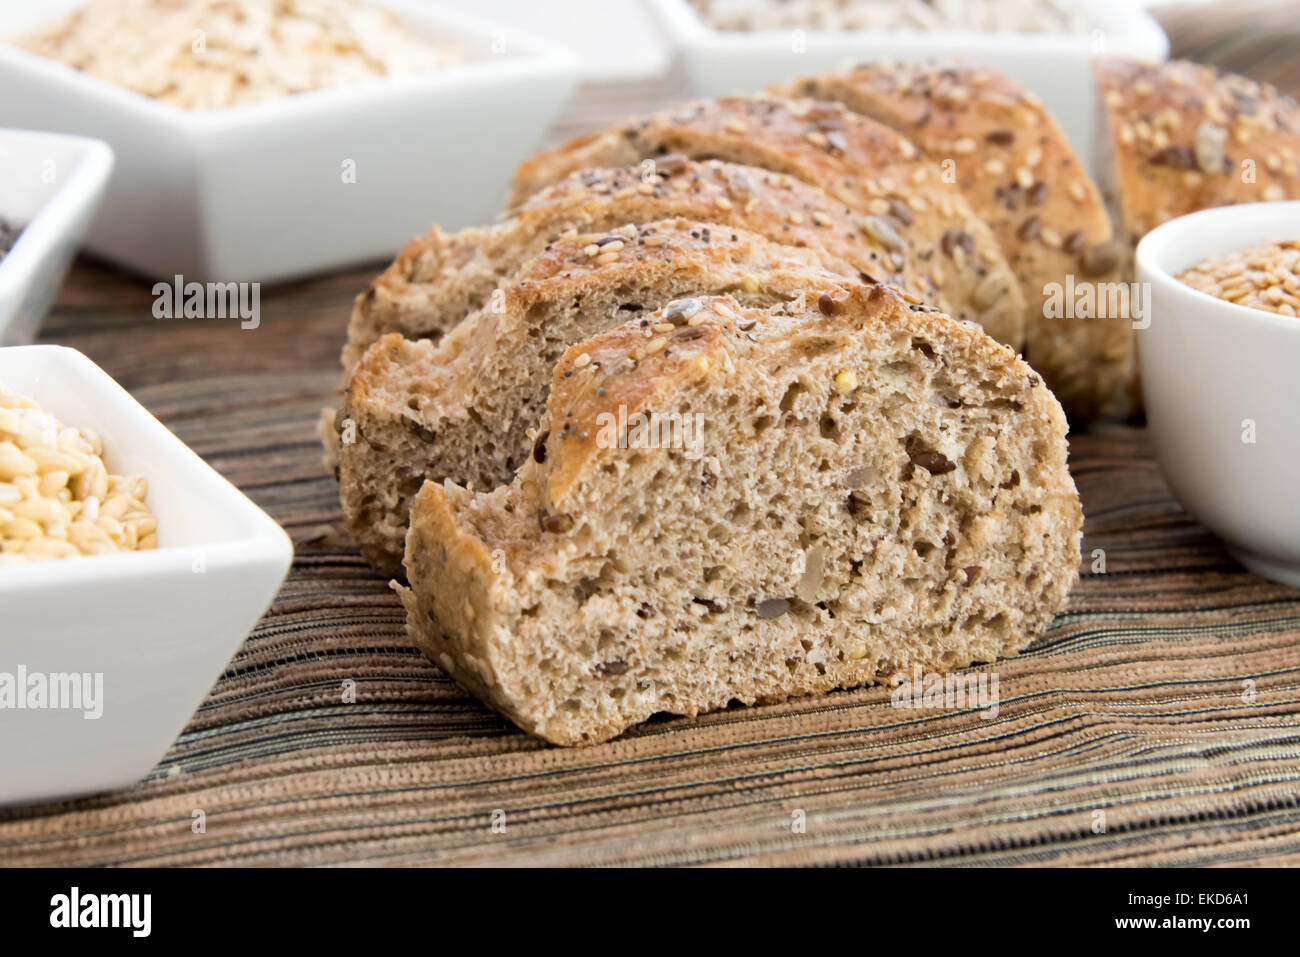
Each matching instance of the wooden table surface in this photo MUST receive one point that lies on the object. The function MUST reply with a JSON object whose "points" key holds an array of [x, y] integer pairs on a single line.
{"points": [[1129, 704]]}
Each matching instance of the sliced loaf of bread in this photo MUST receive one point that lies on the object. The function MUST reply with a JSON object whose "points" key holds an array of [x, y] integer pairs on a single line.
{"points": [[438, 278], [772, 502], [462, 408], [862, 163], [1021, 176]]}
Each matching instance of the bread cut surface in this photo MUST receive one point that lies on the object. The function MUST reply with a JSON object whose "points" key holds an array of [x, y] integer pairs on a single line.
{"points": [[862, 163], [438, 278], [1020, 175], [867, 487], [462, 408]]}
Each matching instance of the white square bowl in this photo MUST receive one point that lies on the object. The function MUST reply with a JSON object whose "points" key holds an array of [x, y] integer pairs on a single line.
{"points": [[257, 192], [50, 186], [1056, 67], [159, 626]]}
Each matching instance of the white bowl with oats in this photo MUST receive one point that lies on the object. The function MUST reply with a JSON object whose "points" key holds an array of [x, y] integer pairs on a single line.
{"points": [[1219, 375], [738, 46], [130, 573], [50, 187], [264, 145]]}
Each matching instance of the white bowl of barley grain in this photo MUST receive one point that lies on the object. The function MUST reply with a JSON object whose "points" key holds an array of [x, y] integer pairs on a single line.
{"points": [[104, 658], [1222, 392]]}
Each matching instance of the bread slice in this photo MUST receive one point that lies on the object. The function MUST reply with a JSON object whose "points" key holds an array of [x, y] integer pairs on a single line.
{"points": [[1020, 175], [462, 408], [860, 162], [854, 488], [1178, 137], [438, 279]]}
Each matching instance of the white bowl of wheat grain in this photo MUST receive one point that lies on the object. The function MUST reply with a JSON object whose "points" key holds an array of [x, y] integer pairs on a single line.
{"points": [[1219, 378]]}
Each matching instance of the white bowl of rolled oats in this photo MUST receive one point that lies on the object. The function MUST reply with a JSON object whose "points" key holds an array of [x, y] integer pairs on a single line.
{"points": [[1219, 374], [260, 140], [50, 187], [738, 46], [130, 572]]}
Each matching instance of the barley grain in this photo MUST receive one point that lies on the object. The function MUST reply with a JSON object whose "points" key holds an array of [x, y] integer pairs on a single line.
{"points": [[57, 498]]}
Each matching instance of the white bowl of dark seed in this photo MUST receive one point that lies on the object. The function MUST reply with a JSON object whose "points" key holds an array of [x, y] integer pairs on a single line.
{"points": [[1219, 374]]}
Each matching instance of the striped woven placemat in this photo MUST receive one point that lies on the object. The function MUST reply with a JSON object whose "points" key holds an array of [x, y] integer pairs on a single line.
{"points": [[1154, 722]]}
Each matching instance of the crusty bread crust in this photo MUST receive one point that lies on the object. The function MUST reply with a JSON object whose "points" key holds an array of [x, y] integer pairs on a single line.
{"points": [[461, 408], [1178, 137], [860, 162], [570, 601], [1184, 137], [1020, 175]]}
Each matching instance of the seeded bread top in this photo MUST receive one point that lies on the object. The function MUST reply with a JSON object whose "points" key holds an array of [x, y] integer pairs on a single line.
{"points": [[860, 162], [1186, 137], [569, 267], [1008, 156], [706, 243], [780, 207], [807, 139], [999, 145], [415, 294]]}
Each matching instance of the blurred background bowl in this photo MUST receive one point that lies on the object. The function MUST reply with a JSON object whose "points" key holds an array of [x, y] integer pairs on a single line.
{"points": [[612, 42], [257, 192], [50, 187]]}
